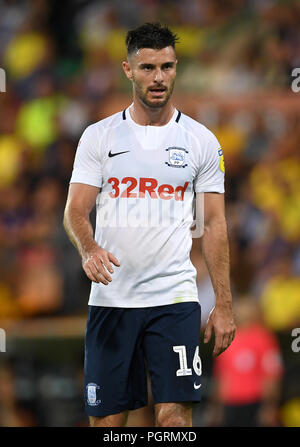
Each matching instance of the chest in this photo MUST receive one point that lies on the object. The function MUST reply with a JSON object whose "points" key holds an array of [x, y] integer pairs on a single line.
{"points": [[150, 155]]}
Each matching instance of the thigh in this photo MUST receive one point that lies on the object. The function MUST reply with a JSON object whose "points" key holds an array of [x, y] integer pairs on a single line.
{"points": [[143, 417], [114, 369], [171, 346]]}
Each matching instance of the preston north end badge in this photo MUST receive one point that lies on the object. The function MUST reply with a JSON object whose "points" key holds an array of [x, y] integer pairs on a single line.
{"points": [[92, 394], [176, 157]]}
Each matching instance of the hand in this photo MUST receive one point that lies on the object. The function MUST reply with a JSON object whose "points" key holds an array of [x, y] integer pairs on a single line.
{"points": [[221, 321], [96, 264]]}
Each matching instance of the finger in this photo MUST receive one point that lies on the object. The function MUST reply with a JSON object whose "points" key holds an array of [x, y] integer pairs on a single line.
{"points": [[107, 264], [98, 264], [103, 280], [218, 345], [233, 334], [231, 337], [225, 342], [208, 332], [113, 259], [96, 273], [90, 274]]}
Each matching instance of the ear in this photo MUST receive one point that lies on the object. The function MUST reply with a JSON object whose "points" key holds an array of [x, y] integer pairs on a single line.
{"points": [[127, 69]]}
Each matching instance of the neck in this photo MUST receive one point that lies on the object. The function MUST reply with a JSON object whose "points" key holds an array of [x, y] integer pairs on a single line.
{"points": [[148, 116]]}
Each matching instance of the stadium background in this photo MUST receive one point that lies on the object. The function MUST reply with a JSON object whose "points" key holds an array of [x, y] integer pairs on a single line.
{"points": [[63, 66]]}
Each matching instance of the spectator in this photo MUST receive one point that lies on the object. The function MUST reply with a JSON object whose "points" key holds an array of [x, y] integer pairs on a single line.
{"points": [[248, 374]]}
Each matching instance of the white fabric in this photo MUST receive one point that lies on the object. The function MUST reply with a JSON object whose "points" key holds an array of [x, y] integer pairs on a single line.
{"points": [[148, 230]]}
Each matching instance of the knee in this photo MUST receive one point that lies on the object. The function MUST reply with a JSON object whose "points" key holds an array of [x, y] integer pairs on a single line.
{"points": [[115, 420], [168, 419]]}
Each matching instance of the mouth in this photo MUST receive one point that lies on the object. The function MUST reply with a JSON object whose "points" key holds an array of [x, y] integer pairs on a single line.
{"points": [[157, 91]]}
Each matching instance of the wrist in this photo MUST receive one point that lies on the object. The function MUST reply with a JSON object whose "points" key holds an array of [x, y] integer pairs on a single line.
{"points": [[88, 248], [224, 303]]}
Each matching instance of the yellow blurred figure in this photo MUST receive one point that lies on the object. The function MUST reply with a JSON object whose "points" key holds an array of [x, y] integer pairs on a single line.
{"points": [[233, 140], [36, 122], [8, 306], [192, 40], [281, 303], [24, 54], [290, 413], [10, 151], [275, 189]]}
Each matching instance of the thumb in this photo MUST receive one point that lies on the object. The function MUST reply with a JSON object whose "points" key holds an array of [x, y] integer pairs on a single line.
{"points": [[208, 331]]}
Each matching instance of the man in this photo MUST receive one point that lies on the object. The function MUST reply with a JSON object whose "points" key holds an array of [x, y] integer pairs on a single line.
{"points": [[148, 161]]}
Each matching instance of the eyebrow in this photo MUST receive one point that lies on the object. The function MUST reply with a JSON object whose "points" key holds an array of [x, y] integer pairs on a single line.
{"points": [[149, 65]]}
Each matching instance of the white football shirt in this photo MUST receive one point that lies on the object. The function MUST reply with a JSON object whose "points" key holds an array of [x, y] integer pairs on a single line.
{"points": [[148, 177]]}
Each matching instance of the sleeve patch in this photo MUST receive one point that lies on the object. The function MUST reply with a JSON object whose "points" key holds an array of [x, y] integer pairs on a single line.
{"points": [[222, 162]]}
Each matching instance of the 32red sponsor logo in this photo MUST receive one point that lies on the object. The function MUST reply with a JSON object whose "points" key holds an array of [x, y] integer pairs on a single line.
{"points": [[145, 186]]}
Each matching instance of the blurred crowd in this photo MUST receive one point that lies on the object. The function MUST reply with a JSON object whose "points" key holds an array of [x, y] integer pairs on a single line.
{"points": [[63, 71]]}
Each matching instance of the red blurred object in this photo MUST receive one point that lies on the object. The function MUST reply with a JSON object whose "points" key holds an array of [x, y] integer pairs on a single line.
{"points": [[243, 369]]}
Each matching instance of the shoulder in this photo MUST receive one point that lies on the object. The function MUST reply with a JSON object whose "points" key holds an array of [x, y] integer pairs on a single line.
{"points": [[198, 130], [107, 123]]}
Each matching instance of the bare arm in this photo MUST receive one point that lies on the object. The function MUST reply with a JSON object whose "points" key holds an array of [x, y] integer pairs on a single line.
{"points": [[96, 261], [216, 255]]}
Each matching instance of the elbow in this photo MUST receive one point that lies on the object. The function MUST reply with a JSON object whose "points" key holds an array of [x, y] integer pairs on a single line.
{"points": [[218, 224], [66, 216]]}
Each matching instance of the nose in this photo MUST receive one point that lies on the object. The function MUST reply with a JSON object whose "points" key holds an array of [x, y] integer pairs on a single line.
{"points": [[158, 77]]}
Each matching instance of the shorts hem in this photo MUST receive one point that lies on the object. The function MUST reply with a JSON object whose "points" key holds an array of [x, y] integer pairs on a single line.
{"points": [[175, 401], [111, 412]]}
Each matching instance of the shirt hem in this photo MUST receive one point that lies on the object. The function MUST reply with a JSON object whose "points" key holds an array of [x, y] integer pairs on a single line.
{"points": [[105, 303], [86, 180]]}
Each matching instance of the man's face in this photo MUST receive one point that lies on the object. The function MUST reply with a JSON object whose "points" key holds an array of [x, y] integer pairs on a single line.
{"points": [[152, 73]]}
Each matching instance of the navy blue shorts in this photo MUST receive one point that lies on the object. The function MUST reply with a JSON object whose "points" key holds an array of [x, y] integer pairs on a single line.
{"points": [[120, 341]]}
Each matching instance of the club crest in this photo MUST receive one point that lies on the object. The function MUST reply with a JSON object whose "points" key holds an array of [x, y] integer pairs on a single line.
{"points": [[176, 157], [92, 394]]}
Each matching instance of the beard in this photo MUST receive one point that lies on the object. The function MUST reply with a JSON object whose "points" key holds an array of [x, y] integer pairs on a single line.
{"points": [[142, 94]]}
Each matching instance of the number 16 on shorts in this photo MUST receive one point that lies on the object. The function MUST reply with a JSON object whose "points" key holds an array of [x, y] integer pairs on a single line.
{"points": [[183, 366]]}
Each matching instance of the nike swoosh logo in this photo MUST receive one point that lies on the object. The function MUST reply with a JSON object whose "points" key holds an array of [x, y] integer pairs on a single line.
{"points": [[197, 386], [116, 153]]}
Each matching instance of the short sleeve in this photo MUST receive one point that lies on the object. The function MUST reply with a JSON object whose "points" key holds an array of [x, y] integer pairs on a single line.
{"points": [[211, 170], [87, 164]]}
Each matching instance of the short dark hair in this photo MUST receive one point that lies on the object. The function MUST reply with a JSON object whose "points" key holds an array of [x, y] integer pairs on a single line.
{"points": [[150, 35]]}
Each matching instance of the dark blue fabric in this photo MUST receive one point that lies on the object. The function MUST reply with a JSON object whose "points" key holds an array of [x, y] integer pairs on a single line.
{"points": [[119, 341]]}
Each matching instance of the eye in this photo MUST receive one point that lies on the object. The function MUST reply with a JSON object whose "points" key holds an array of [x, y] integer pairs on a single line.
{"points": [[167, 67]]}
